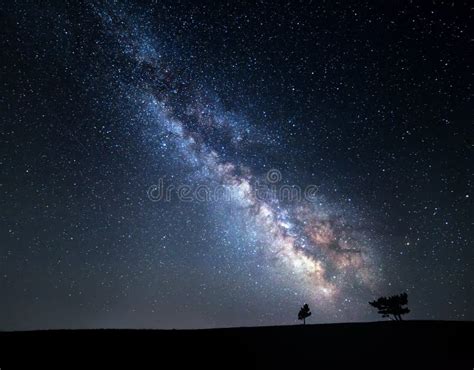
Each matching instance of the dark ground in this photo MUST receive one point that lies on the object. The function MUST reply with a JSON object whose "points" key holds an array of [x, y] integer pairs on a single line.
{"points": [[408, 344]]}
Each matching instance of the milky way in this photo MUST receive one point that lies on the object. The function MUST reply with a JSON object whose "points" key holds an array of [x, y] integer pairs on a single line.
{"points": [[305, 241]]}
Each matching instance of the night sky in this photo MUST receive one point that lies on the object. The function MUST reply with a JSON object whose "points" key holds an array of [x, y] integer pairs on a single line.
{"points": [[103, 104]]}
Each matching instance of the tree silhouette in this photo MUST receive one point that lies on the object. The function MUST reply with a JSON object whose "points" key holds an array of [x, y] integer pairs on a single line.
{"points": [[393, 305], [304, 313]]}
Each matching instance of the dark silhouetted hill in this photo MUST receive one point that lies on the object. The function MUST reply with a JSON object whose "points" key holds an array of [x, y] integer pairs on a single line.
{"points": [[402, 345]]}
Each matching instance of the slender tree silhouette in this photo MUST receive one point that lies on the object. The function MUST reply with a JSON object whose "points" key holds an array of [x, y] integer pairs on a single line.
{"points": [[304, 313], [393, 305]]}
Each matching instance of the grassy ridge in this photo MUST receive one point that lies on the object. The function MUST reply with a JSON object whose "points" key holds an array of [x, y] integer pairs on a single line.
{"points": [[408, 344]]}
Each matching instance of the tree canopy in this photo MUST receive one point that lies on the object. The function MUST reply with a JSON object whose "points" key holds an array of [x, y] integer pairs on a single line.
{"points": [[304, 313], [392, 305]]}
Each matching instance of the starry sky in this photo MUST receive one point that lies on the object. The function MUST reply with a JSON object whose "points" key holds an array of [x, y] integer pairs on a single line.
{"points": [[363, 106]]}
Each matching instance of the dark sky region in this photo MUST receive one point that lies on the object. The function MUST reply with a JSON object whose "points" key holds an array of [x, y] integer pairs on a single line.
{"points": [[105, 104]]}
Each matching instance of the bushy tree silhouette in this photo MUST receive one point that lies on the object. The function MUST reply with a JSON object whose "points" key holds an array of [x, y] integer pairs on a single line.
{"points": [[304, 313], [393, 305]]}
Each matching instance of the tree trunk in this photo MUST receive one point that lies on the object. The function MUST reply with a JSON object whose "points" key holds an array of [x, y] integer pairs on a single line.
{"points": [[304, 321]]}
